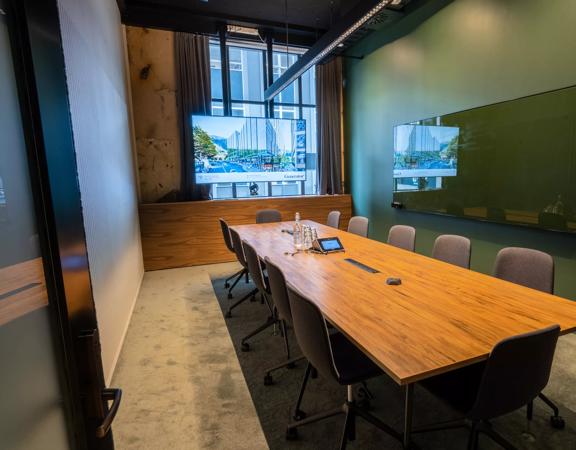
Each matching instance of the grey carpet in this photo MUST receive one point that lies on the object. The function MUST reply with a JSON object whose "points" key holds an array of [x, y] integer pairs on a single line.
{"points": [[274, 403]]}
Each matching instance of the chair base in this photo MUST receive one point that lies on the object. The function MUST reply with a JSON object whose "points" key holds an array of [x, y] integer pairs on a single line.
{"points": [[238, 275], [249, 295], [556, 420], [288, 364], [351, 411], [475, 428]]}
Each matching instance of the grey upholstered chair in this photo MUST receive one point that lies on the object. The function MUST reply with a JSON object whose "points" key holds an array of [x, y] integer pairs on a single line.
{"points": [[452, 249], [533, 269], [525, 266], [516, 371], [336, 358], [237, 246], [268, 216], [261, 281], [279, 291], [333, 219], [228, 241], [358, 225], [402, 236]]}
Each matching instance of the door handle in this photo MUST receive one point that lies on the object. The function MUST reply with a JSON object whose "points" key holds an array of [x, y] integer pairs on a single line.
{"points": [[116, 396]]}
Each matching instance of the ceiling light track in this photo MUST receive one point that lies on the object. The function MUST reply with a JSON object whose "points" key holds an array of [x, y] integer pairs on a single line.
{"points": [[339, 33]]}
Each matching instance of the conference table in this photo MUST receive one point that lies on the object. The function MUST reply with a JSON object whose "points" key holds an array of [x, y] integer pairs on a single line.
{"points": [[440, 318]]}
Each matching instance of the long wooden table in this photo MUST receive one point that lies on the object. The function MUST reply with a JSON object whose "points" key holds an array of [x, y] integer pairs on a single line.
{"points": [[440, 318]]}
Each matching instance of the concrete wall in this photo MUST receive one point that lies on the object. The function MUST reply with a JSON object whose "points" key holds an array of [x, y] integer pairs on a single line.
{"points": [[470, 53], [153, 82], [97, 79]]}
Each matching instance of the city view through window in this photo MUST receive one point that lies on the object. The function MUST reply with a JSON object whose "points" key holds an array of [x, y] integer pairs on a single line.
{"points": [[246, 78]]}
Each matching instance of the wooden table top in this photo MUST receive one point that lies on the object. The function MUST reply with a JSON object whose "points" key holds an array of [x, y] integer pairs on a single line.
{"points": [[440, 318]]}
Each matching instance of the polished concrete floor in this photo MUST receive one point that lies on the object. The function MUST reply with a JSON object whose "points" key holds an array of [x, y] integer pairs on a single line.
{"points": [[183, 385]]}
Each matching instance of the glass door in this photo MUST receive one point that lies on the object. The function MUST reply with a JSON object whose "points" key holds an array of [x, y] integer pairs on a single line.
{"points": [[31, 406]]}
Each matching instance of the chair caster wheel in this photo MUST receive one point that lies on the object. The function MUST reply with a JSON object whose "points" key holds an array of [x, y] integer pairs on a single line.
{"points": [[230, 295], [291, 434], [557, 422], [291, 365], [245, 347], [226, 285], [268, 380], [299, 415], [228, 314]]}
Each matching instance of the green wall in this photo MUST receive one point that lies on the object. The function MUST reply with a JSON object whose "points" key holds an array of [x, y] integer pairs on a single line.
{"points": [[470, 53]]}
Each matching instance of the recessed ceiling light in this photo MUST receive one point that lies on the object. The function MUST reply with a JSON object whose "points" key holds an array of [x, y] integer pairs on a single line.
{"points": [[340, 45]]}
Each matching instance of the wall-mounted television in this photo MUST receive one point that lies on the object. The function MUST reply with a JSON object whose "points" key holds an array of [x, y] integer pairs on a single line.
{"points": [[512, 162], [240, 149]]}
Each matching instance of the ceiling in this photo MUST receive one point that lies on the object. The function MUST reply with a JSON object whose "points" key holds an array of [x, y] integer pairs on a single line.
{"points": [[302, 15]]}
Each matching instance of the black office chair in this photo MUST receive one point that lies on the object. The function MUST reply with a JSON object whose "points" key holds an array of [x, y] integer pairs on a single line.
{"points": [[533, 269], [516, 371], [279, 293], [268, 216], [261, 282], [228, 241], [237, 246], [334, 356]]}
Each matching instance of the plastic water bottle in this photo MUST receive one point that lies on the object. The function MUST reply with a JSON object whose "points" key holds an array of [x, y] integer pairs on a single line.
{"points": [[297, 232]]}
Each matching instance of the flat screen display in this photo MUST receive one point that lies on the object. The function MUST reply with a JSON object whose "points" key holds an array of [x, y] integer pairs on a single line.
{"points": [[240, 149], [425, 151], [330, 244]]}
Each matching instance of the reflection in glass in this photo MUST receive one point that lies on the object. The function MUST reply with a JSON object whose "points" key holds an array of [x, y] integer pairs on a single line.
{"points": [[511, 162]]}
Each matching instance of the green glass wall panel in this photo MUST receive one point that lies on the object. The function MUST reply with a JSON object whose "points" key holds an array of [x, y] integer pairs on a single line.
{"points": [[468, 54], [516, 163]]}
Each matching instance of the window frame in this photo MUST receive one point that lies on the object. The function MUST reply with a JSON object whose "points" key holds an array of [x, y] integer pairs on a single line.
{"points": [[227, 105]]}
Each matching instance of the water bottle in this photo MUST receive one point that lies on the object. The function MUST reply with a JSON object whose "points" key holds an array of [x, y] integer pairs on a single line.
{"points": [[297, 233]]}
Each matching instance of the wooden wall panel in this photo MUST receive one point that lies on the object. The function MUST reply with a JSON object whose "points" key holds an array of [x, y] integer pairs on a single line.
{"points": [[188, 233]]}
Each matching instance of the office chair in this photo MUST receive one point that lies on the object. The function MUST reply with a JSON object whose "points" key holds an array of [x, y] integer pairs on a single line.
{"points": [[268, 216], [237, 246], [452, 249], [335, 357], [402, 236], [230, 247], [279, 292], [333, 219], [263, 287], [517, 369], [358, 225], [533, 269]]}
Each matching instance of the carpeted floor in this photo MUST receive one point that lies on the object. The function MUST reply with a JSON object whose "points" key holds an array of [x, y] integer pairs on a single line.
{"points": [[274, 403], [182, 384]]}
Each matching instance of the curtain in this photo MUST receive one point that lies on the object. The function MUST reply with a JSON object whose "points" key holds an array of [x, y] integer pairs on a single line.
{"points": [[193, 96], [329, 103]]}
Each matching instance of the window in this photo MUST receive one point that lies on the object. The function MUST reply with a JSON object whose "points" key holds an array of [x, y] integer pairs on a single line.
{"points": [[247, 74]]}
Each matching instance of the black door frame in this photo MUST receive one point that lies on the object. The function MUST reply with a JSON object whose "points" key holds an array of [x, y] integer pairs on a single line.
{"points": [[34, 29]]}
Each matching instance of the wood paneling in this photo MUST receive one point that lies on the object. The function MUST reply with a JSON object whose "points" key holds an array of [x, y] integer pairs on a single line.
{"points": [[441, 317], [22, 289], [188, 233]]}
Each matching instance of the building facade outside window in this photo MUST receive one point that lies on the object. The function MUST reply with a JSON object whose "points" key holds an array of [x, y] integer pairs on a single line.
{"points": [[247, 74]]}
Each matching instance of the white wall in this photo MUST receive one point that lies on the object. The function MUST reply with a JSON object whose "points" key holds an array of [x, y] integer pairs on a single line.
{"points": [[94, 54]]}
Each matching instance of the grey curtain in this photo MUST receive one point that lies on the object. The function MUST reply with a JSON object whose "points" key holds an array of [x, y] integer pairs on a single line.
{"points": [[193, 96], [328, 104]]}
